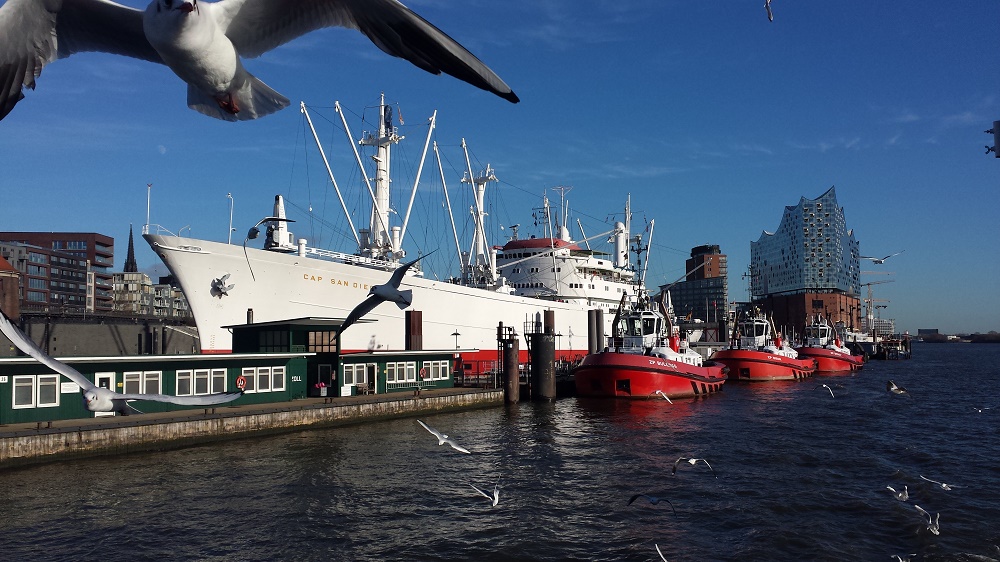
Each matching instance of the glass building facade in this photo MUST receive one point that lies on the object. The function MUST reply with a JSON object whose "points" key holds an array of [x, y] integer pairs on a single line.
{"points": [[811, 251]]}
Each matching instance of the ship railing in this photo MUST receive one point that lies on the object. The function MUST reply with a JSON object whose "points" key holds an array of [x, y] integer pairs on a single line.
{"points": [[157, 229], [351, 259]]}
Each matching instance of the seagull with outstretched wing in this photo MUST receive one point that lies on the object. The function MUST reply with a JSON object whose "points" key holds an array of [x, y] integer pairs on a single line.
{"points": [[96, 398], [204, 43], [443, 438], [382, 293], [881, 260]]}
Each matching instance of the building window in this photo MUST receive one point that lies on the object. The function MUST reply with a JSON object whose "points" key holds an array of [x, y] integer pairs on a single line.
{"points": [[48, 391], [250, 376], [40, 391], [263, 379], [274, 341], [218, 380], [201, 381], [184, 383], [322, 342], [24, 392], [142, 382], [277, 379]]}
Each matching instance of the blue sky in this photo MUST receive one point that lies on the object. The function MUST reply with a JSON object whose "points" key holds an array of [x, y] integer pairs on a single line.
{"points": [[711, 117]]}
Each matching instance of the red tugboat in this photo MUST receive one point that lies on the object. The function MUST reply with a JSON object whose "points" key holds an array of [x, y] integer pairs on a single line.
{"points": [[754, 354], [823, 344], [647, 358]]}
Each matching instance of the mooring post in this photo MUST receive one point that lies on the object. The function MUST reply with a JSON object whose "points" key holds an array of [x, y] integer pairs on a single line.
{"points": [[543, 367]]}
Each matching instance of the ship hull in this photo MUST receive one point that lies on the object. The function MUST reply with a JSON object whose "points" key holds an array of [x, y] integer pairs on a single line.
{"points": [[625, 375], [753, 365], [263, 286], [831, 361]]}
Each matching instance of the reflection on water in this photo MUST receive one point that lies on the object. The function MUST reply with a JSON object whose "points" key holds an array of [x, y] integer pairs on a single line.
{"points": [[801, 476]]}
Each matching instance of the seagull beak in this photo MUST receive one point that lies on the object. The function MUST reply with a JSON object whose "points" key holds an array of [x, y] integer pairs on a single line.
{"points": [[186, 7]]}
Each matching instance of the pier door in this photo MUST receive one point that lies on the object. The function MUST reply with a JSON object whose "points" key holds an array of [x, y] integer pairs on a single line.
{"points": [[105, 380]]}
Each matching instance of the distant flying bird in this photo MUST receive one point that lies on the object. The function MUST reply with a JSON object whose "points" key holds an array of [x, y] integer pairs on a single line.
{"points": [[381, 293], [881, 260], [494, 497], [941, 484], [442, 439], [933, 525], [828, 388], [767, 6], [203, 43], [99, 399], [692, 462], [653, 500], [901, 495], [894, 388], [659, 392]]}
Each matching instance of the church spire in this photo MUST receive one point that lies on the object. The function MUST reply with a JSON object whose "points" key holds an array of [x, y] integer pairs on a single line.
{"points": [[130, 265]]}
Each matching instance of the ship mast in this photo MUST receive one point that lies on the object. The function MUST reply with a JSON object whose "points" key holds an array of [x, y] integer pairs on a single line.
{"points": [[382, 244], [481, 261]]}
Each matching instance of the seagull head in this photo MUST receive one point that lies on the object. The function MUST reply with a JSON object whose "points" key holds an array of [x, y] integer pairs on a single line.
{"points": [[185, 7]]}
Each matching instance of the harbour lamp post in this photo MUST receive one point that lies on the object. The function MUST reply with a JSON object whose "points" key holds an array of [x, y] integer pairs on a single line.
{"points": [[231, 202], [456, 334]]}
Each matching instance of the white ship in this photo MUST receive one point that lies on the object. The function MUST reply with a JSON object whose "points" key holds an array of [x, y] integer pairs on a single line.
{"points": [[228, 284]]}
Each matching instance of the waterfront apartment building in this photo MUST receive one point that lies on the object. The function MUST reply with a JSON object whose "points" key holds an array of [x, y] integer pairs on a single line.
{"points": [[63, 271], [809, 266], [704, 292]]}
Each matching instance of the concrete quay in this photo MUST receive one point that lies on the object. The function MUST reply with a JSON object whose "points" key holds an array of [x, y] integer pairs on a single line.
{"points": [[22, 444]]}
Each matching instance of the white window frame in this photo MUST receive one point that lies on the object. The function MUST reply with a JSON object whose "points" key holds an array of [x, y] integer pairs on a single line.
{"points": [[49, 380], [217, 379], [202, 382], [277, 379], [249, 374], [263, 375], [20, 380], [185, 375]]}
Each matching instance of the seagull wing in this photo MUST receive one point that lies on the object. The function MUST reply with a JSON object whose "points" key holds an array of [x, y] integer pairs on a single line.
{"points": [[488, 496], [458, 447], [433, 431], [203, 400], [709, 467], [635, 497], [397, 275], [664, 558], [257, 26], [364, 307], [34, 33], [923, 512], [25, 344], [677, 462]]}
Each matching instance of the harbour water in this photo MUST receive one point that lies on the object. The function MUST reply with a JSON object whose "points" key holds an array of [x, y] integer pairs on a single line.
{"points": [[801, 475]]}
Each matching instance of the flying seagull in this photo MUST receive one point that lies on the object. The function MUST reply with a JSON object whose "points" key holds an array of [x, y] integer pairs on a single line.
{"points": [[653, 500], [495, 496], [767, 6], [881, 260], [901, 495], [828, 388], [692, 462], [442, 439], [933, 525], [659, 392], [99, 399], [894, 388], [203, 43], [941, 484], [381, 293]]}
